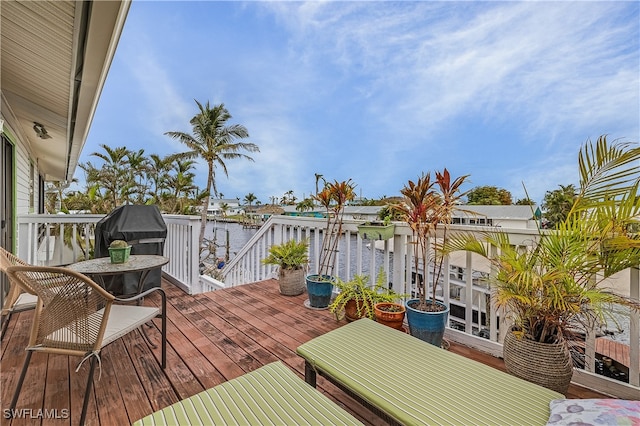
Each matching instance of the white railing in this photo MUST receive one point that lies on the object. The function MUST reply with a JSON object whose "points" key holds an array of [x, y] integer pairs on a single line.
{"points": [[38, 243], [474, 322], [45, 239]]}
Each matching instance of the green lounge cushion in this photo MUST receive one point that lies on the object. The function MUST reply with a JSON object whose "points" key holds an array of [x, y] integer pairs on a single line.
{"points": [[270, 395], [417, 383]]}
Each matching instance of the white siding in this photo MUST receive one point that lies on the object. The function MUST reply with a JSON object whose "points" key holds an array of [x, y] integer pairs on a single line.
{"points": [[22, 165]]}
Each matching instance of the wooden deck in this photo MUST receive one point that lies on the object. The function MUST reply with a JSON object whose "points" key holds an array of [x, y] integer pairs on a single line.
{"points": [[212, 338], [617, 351]]}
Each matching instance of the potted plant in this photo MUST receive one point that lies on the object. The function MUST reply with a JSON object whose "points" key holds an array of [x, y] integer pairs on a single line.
{"points": [[119, 251], [553, 292], [390, 314], [377, 230], [333, 198], [428, 206], [357, 298], [291, 257]]}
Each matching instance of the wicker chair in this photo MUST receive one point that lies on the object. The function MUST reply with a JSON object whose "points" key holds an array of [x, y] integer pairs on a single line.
{"points": [[75, 316], [16, 300]]}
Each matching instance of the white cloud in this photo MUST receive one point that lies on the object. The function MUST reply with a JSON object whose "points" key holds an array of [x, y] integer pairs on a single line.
{"points": [[380, 91]]}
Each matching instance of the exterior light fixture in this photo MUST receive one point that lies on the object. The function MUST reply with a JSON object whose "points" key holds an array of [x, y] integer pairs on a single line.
{"points": [[41, 132]]}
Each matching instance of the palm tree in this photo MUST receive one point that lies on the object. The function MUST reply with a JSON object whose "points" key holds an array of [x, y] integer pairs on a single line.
{"points": [[225, 208], [112, 175], [158, 175], [304, 205], [250, 198], [214, 141], [182, 185], [558, 203], [138, 167], [318, 177]]}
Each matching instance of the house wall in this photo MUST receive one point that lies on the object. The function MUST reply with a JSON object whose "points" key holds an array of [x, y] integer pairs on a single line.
{"points": [[25, 176], [514, 223]]}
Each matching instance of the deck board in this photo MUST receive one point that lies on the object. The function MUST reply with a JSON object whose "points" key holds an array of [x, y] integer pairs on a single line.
{"points": [[212, 338]]}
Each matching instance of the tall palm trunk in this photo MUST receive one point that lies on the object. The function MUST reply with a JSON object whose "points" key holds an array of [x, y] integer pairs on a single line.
{"points": [[205, 207]]}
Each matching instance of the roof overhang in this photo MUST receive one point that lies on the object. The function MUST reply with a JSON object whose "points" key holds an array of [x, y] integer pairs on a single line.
{"points": [[55, 60]]}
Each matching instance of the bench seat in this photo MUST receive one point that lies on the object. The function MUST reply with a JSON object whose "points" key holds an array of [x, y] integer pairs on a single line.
{"points": [[410, 382], [270, 395]]}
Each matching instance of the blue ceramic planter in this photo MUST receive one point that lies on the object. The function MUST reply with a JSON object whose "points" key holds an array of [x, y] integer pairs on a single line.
{"points": [[319, 288], [427, 326]]}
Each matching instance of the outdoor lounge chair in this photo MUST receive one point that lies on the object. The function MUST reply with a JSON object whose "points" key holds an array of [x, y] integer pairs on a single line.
{"points": [[270, 395], [75, 316], [16, 300], [410, 382]]}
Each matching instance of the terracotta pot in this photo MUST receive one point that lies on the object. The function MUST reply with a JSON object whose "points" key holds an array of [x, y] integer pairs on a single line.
{"points": [[390, 318], [351, 310]]}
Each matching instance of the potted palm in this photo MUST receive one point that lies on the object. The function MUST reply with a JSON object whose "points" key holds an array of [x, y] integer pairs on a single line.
{"points": [[291, 257], [357, 298], [333, 198], [554, 292], [427, 207]]}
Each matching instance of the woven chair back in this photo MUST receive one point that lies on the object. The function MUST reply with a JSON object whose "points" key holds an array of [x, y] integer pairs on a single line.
{"points": [[9, 259], [72, 310]]}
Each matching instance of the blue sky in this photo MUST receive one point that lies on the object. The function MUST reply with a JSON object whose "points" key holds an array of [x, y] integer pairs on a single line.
{"points": [[379, 91]]}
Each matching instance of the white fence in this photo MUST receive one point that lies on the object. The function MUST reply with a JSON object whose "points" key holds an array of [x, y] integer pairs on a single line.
{"points": [[64, 239]]}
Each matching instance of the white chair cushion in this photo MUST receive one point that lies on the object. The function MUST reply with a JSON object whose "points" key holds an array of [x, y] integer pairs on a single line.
{"points": [[122, 320], [25, 301], [125, 318]]}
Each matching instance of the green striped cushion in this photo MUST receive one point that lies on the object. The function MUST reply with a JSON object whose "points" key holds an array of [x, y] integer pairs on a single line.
{"points": [[270, 395], [417, 383]]}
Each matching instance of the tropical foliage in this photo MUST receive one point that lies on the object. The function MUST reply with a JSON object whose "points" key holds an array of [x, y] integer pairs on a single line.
{"points": [[556, 287], [215, 142], [428, 205], [365, 295], [489, 195], [558, 203], [288, 255], [333, 197], [130, 177]]}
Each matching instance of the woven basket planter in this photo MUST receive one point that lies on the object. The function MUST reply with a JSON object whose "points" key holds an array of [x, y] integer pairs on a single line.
{"points": [[291, 281], [545, 364]]}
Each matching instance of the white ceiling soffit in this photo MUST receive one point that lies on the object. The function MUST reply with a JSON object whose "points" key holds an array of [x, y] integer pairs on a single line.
{"points": [[55, 59]]}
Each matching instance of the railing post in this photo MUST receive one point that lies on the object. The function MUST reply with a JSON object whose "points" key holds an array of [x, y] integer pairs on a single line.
{"points": [[634, 329], [468, 305]]}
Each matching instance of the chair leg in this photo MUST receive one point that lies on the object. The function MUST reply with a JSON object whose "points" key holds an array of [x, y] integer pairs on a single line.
{"points": [[88, 390], [163, 298], [164, 340], [5, 325], [14, 401]]}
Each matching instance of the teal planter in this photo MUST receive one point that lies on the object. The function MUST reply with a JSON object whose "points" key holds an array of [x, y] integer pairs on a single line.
{"points": [[374, 231], [427, 326], [319, 289]]}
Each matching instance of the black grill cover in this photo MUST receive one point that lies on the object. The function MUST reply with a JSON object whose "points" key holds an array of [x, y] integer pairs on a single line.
{"points": [[145, 231]]}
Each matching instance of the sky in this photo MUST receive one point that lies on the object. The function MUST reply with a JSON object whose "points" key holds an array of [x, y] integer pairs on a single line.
{"points": [[378, 91]]}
